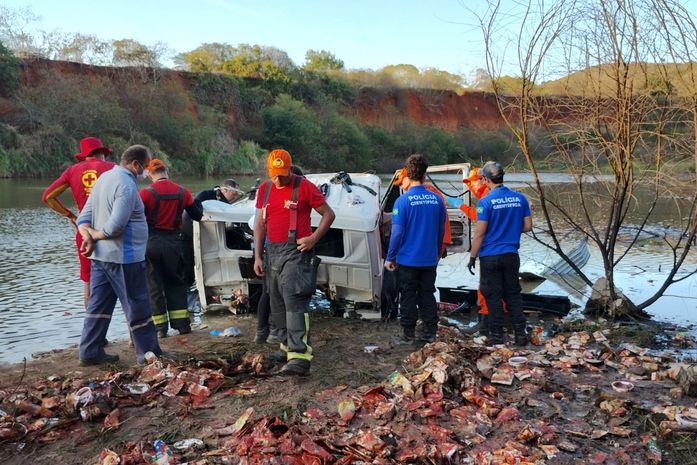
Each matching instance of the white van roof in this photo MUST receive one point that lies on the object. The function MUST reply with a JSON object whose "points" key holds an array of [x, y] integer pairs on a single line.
{"points": [[358, 210]]}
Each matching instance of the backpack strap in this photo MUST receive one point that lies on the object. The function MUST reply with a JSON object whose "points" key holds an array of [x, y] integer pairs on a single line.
{"points": [[152, 215], [293, 207], [267, 191], [180, 209]]}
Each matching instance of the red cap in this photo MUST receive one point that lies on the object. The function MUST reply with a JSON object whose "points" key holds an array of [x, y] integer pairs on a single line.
{"points": [[89, 145]]}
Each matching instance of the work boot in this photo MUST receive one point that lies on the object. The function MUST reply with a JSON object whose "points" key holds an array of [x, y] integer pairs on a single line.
{"points": [[273, 339], [103, 360], [403, 341], [426, 337], [278, 357], [483, 325], [407, 338], [295, 367], [521, 335], [186, 330], [260, 338], [495, 337]]}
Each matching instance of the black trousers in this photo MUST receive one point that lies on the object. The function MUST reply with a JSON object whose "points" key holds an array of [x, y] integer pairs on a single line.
{"points": [[264, 324], [187, 245], [498, 279], [167, 282], [417, 286]]}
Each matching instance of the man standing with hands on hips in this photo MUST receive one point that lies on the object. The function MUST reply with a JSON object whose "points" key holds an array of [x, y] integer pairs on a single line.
{"points": [[283, 212], [502, 216]]}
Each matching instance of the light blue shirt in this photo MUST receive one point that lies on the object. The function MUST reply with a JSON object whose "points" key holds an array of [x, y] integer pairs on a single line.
{"points": [[115, 208]]}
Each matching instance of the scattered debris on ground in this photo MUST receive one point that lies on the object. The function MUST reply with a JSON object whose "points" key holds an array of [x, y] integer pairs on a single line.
{"points": [[575, 398]]}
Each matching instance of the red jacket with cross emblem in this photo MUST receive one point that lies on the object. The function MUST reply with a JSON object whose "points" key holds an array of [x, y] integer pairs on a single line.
{"points": [[79, 178]]}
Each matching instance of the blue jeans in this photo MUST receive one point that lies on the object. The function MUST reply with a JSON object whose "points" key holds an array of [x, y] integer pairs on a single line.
{"points": [[129, 284]]}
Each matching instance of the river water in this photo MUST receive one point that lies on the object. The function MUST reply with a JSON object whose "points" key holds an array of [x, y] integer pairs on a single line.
{"points": [[41, 294]]}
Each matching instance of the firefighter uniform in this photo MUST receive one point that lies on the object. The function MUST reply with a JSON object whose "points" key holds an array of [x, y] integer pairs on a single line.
{"points": [[164, 203], [80, 178], [291, 274]]}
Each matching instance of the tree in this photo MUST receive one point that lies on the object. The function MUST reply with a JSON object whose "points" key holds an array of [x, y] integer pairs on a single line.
{"points": [[322, 60], [433, 78], [207, 58], [610, 120], [77, 47], [344, 144], [401, 75], [255, 61], [9, 72], [291, 125], [480, 80], [14, 24], [129, 52]]}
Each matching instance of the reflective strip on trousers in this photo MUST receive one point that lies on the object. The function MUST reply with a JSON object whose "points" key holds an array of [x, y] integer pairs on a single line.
{"points": [[160, 320], [178, 314], [308, 353]]}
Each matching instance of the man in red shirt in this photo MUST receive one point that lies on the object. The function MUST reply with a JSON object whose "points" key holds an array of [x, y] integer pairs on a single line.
{"points": [[164, 203], [79, 178], [283, 223]]}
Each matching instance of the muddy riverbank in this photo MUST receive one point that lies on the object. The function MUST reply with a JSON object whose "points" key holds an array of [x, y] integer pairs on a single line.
{"points": [[591, 396]]}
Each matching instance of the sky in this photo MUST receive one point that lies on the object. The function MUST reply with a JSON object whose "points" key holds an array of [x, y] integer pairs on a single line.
{"points": [[441, 34], [363, 33]]}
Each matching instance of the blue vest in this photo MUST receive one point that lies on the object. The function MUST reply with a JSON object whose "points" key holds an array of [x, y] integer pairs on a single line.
{"points": [[503, 209], [421, 214]]}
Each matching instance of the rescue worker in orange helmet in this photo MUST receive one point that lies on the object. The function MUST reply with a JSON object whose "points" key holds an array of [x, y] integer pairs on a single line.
{"points": [[164, 203], [80, 178]]}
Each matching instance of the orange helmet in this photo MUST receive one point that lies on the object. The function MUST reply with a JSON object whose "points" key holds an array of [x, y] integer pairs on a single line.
{"points": [[475, 184]]}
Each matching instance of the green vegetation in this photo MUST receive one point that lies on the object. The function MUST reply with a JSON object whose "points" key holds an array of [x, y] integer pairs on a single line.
{"points": [[9, 72], [212, 123], [231, 104]]}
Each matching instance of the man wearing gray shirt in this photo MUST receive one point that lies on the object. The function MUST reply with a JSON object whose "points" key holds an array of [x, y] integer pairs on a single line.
{"points": [[115, 236]]}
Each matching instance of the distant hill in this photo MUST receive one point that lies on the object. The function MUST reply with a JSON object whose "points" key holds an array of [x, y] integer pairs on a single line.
{"points": [[664, 78]]}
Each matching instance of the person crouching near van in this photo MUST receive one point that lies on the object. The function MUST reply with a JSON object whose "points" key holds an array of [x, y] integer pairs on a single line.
{"points": [[502, 216], [418, 227], [289, 264]]}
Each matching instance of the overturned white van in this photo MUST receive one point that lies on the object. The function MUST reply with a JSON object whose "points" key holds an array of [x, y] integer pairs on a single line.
{"points": [[352, 252]]}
